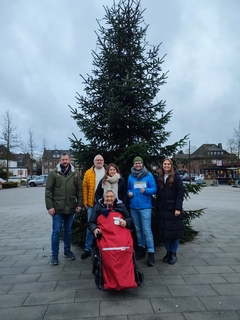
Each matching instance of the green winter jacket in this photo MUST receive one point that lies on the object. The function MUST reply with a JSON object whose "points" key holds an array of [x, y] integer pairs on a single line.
{"points": [[63, 193]]}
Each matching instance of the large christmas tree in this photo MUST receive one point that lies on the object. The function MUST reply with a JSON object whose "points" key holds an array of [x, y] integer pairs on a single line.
{"points": [[121, 114]]}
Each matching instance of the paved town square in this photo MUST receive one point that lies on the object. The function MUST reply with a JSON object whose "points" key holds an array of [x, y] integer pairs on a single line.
{"points": [[204, 284]]}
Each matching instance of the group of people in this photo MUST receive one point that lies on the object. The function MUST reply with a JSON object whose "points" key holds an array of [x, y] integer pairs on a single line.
{"points": [[103, 189]]}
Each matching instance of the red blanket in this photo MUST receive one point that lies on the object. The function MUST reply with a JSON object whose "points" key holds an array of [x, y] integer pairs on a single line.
{"points": [[116, 246]]}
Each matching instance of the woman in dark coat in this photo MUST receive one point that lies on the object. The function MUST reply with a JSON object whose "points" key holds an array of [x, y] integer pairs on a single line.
{"points": [[112, 180], [169, 211]]}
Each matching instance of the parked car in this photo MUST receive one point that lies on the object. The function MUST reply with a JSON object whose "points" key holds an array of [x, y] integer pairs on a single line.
{"points": [[185, 177], [2, 180], [14, 179], [38, 181], [193, 176], [199, 178]]}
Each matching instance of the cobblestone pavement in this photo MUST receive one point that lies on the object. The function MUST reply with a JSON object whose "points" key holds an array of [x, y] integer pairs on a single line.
{"points": [[204, 283]]}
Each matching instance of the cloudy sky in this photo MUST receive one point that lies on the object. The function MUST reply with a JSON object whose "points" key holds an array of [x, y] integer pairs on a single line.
{"points": [[46, 44]]}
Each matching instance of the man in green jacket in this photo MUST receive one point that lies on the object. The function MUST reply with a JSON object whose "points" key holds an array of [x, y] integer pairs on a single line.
{"points": [[63, 197]]}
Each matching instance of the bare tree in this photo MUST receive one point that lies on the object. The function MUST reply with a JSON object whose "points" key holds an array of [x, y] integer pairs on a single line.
{"points": [[11, 139], [234, 147], [32, 146]]}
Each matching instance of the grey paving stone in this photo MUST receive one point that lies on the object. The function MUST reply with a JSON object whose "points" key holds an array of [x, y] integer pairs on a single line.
{"points": [[23, 313], [180, 270], [59, 275], [33, 287], [196, 290], [13, 270], [204, 279], [75, 284], [12, 300], [176, 305], [227, 289], [19, 278], [72, 311], [144, 292], [215, 315], [221, 302], [232, 278], [163, 316], [49, 297], [98, 295], [163, 280], [4, 288], [125, 307], [214, 269]]}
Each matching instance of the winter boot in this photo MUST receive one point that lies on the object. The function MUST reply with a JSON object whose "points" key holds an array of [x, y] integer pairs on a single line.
{"points": [[150, 260], [167, 256], [172, 258]]}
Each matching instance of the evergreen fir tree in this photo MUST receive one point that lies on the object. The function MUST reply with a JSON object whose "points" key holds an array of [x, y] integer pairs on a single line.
{"points": [[120, 115]]}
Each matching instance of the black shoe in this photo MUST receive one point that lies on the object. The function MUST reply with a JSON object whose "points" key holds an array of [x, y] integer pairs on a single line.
{"points": [[141, 253], [150, 260], [85, 254], [166, 257], [172, 258]]}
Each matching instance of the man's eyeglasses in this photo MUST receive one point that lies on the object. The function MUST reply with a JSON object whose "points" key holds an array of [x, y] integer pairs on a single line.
{"points": [[98, 160]]}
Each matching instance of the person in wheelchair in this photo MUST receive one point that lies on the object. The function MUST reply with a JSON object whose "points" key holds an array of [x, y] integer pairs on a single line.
{"points": [[111, 219], [109, 203]]}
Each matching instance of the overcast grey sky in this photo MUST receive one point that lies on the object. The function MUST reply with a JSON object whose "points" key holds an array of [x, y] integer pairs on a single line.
{"points": [[46, 44]]}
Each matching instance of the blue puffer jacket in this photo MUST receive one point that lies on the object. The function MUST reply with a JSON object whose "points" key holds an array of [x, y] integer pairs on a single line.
{"points": [[142, 200]]}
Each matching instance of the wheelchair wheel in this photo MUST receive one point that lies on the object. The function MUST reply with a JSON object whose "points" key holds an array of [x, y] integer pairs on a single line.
{"points": [[94, 261], [139, 276]]}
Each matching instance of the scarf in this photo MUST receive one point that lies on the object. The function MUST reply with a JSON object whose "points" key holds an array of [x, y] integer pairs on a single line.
{"points": [[112, 183], [105, 211], [139, 174], [64, 170]]}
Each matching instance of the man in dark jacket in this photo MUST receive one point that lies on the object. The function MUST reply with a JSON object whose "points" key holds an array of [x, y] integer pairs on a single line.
{"points": [[63, 197]]}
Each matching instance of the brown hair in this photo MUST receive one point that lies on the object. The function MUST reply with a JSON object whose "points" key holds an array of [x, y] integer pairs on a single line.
{"points": [[107, 171], [170, 174]]}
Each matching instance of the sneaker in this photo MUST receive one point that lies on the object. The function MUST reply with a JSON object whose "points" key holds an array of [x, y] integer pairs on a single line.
{"points": [[85, 254], [68, 254], [54, 260]]}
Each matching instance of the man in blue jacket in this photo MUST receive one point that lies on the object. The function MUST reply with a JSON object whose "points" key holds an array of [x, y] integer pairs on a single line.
{"points": [[141, 187]]}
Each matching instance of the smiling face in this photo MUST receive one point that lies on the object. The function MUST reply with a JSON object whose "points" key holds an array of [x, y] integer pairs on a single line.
{"points": [[138, 165], [109, 198], [167, 166], [112, 171], [98, 162]]}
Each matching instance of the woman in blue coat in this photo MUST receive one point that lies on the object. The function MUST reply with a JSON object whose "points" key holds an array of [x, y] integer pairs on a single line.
{"points": [[141, 187], [169, 211]]}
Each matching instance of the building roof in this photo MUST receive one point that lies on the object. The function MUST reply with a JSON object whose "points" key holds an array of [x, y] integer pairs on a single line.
{"points": [[56, 153], [3, 154], [210, 149]]}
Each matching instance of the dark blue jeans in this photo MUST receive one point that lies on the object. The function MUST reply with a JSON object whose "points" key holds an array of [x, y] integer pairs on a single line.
{"points": [[171, 244], [59, 221]]}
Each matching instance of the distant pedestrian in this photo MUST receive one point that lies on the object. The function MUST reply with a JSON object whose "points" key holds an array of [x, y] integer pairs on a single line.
{"points": [[90, 182], [63, 197], [112, 180], [169, 211], [141, 187]]}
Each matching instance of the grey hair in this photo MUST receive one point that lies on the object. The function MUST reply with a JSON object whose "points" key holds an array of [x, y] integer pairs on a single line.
{"points": [[110, 190]]}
